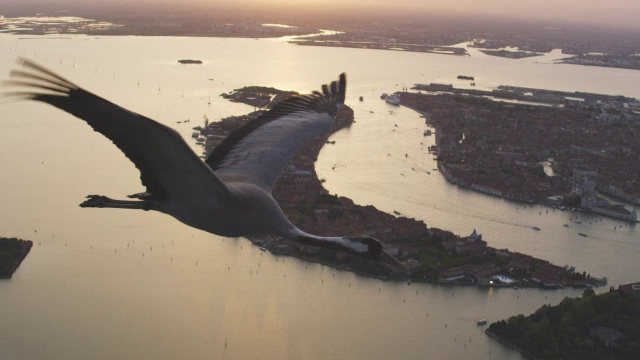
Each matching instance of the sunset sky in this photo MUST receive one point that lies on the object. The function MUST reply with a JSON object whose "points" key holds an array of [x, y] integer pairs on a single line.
{"points": [[613, 12], [603, 12]]}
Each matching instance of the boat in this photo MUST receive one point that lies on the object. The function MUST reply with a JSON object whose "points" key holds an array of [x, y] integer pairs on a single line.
{"points": [[565, 225], [392, 99], [361, 98], [396, 212], [535, 228], [481, 322], [581, 234], [427, 132]]}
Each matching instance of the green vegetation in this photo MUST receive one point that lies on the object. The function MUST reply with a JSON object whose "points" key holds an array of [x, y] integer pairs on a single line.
{"points": [[605, 326], [12, 252]]}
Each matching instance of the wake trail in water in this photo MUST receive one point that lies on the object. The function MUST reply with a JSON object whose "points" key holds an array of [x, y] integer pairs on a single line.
{"points": [[463, 212]]}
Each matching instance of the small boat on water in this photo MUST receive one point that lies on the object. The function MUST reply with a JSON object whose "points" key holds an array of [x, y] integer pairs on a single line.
{"points": [[427, 132], [396, 212], [481, 322], [581, 234], [392, 99], [565, 225], [535, 228]]}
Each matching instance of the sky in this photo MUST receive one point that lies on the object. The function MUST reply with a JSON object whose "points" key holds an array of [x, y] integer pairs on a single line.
{"points": [[603, 12], [607, 12]]}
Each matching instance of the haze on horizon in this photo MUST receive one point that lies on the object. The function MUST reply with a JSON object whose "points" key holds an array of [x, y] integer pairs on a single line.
{"points": [[607, 13]]}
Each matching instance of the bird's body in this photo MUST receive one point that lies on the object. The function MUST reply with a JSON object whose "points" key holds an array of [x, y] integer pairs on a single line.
{"points": [[230, 193]]}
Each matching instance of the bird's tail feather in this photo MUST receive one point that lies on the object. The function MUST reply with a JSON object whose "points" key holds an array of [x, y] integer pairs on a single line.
{"points": [[338, 87]]}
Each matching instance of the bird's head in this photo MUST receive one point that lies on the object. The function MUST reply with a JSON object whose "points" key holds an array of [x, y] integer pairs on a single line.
{"points": [[371, 248]]}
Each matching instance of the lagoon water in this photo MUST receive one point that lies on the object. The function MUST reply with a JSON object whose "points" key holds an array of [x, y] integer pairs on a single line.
{"points": [[104, 283]]}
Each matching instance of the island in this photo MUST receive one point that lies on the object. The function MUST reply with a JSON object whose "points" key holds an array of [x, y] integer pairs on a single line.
{"points": [[604, 326], [511, 54], [12, 252], [190, 61], [432, 254], [383, 45], [561, 149]]}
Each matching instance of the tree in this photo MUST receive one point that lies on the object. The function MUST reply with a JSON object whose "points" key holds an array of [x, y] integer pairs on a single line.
{"points": [[588, 293]]}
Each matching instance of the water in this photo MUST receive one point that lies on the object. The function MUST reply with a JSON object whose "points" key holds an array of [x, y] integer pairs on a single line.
{"points": [[104, 283]]}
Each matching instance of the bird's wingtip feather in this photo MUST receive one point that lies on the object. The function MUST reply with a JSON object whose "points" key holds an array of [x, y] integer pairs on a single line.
{"points": [[40, 73]]}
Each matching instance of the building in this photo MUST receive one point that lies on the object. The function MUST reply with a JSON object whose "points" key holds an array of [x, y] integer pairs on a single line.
{"points": [[471, 244], [452, 274], [630, 289]]}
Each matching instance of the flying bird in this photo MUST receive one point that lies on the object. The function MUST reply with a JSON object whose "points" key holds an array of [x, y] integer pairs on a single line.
{"points": [[229, 194]]}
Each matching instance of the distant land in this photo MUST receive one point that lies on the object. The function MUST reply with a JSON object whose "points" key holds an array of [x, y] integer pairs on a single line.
{"points": [[590, 45]]}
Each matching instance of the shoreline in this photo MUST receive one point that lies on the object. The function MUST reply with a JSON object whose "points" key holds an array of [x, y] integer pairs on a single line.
{"points": [[506, 343], [13, 251]]}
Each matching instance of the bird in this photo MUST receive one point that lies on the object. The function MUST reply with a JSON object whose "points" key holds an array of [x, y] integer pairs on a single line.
{"points": [[230, 193]]}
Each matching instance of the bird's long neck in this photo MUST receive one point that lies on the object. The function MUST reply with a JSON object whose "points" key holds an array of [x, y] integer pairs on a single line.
{"points": [[348, 245]]}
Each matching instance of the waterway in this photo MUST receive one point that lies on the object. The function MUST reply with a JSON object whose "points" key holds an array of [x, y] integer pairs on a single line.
{"points": [[105, 283]]}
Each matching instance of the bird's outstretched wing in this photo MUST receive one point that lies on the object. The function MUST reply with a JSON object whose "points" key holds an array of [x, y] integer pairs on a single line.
{"points": [[257, 152], [167, 165]]}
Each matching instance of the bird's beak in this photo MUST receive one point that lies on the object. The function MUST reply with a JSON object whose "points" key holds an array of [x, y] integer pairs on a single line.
{"points": [[386, 258]]}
